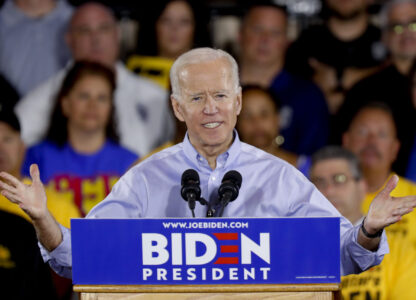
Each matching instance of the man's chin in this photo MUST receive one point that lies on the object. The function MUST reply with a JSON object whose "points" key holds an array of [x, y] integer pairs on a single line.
{"points": [[371, 164]]}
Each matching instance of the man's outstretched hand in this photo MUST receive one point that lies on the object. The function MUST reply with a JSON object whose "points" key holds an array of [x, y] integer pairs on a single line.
{"points": [[386, 210], [30, 198]]}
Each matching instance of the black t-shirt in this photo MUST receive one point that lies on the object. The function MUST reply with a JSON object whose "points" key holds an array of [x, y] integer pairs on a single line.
{"points": [[23, 274], [388, 86], [318, 42]]}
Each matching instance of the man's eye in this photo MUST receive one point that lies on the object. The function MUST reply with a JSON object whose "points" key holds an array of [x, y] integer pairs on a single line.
{"points": [[197, 98], [221, 96]]}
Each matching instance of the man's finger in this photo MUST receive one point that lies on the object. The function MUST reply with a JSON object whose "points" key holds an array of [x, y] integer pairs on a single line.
{"points": [[407, 201], [402, 211], [10, 178], [393, 219], [8, 187], [34, 173], [11, 197], [390, 186]]}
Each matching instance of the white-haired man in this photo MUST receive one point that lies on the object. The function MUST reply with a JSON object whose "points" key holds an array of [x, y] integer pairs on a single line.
{"points": [[207, 97]]}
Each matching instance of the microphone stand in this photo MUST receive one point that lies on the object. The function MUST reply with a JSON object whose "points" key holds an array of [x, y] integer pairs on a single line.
{"points": [[202, 201], [224, 202]]}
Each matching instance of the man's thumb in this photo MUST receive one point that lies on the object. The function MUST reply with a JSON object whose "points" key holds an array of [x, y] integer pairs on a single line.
{"points": [[390, 186], [34, 173]]}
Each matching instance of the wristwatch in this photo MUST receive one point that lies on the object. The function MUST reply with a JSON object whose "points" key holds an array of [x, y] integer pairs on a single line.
{"points": [[371, 236]]}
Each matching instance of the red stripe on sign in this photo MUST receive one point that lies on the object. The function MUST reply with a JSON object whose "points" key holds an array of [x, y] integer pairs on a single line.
{"points": [[226, 261], [229, 249], [226, 236]]}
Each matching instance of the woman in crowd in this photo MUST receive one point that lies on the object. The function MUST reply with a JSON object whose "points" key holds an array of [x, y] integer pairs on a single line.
{"points": [[170, 28], [258, 125], [81, 151]]}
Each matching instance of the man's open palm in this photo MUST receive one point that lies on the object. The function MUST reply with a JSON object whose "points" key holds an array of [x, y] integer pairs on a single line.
{"points": [[30, 198], [386, 210]]}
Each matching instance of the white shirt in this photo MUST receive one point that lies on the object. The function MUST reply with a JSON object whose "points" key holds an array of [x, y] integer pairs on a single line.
{"points": [[143, 118]]}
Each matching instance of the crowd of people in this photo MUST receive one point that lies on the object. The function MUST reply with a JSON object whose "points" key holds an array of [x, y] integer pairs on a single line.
{"points": [[70, 105]]}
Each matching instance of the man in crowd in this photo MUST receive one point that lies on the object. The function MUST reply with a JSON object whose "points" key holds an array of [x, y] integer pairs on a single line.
{"points": [[21, 266], [32, 46], [304, 113], [372, 137], [339, 52], [336, 173], [143, 117], [206, 96], [391, 85]]}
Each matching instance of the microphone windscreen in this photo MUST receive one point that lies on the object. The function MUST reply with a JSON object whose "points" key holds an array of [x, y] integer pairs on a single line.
{"points": [[233, 176], [190, 176]]}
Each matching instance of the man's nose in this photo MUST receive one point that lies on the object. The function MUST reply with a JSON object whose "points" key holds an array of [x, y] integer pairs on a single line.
{"points": [[210, 105], [372, 137], [328, 189], [264, 37]]}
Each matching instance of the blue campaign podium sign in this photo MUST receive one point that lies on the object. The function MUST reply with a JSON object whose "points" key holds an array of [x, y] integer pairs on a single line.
{"points": [[205, 251]]}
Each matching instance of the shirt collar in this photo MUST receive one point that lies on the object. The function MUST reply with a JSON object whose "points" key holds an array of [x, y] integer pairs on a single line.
{"points": [[223, 160]]}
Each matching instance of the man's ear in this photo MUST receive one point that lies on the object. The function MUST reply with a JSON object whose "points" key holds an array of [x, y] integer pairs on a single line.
{"points": [[177, 108], [239, 103]]}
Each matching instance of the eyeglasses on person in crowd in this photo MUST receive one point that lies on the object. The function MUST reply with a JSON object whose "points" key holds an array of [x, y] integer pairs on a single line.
{"points": [[399, 28], [337, 180]]}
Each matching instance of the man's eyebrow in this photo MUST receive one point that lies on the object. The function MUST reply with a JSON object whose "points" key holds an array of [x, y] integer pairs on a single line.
{"points": [[221, 91], [195, 94], [87, 26]]}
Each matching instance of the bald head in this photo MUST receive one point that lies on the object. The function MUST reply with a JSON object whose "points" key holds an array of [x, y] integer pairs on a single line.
{"points": [[93, 34]]}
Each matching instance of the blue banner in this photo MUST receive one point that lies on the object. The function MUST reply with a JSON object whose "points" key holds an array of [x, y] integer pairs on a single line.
{"points": [[206, 251]]}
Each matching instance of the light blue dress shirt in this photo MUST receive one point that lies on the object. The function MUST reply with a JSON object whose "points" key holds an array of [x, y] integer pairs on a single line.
{"points": [[270, 188]]}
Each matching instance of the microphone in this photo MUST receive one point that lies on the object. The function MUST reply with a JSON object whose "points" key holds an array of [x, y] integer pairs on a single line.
{"points": [[228, 190], [190, 191]]}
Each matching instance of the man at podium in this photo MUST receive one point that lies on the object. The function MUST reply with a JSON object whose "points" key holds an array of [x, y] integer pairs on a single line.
{"points": [[206, 96]]}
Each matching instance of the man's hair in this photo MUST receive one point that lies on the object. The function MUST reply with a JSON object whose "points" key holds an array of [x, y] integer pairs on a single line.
{"points": [[376, 105], [385, 11], [200, 55], [266, 91], [269, 4], [337, 152], [87, 4]]}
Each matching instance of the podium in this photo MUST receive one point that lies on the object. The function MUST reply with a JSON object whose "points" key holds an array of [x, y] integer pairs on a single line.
{"points": [[250, 258]]}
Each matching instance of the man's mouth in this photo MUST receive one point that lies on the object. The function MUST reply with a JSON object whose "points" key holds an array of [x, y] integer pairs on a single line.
{"points": [[212, 125]]}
